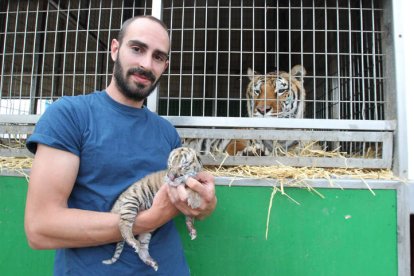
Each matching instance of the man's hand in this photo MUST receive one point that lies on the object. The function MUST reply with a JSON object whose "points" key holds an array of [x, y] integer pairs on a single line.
{"points": [[203, 184]]}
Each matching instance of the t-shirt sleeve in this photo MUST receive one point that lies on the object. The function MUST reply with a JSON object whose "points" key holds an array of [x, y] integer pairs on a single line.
{"points": [[58, 127], [171, 133]]}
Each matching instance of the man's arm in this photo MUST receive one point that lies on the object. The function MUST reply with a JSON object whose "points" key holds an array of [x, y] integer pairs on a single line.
{"points": [[49, 223]]}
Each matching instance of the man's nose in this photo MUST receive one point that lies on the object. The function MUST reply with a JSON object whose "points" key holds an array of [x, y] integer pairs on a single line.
{"points": [[145, 61]]}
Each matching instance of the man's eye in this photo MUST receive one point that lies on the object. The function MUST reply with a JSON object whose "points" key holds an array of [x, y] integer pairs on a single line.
{"points": [[160, 58], [137, 49]]}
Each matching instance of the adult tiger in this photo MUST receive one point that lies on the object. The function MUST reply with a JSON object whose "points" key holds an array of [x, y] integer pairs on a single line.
{"points": [[277, 94]]}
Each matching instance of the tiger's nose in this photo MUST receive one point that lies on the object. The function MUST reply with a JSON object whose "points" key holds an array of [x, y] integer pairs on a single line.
{"points": [[263, 109]]}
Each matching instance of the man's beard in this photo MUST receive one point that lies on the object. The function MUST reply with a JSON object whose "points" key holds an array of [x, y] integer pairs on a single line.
{"points": [[136, 92]]}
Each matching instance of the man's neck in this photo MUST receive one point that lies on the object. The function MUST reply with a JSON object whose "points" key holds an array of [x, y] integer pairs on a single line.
{"points": [[117, 96]]}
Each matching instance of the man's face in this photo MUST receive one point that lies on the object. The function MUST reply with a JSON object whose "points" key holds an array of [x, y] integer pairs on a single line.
{"points": [[131, 89], [140, 59]]}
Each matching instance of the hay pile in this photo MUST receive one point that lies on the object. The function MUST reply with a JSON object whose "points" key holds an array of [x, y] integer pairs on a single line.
{"points": [[18, 165], [296, 176], [282, 172]]}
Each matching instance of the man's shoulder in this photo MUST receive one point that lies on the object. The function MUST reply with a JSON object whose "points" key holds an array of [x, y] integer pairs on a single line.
{"points": [[161, 120], [74, 103], [79, 99]]}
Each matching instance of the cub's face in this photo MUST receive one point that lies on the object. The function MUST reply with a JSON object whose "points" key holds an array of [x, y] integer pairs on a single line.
{"points": [[182, 163]]}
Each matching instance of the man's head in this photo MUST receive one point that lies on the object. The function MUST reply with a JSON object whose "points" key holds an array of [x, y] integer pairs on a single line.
{"points": [[140, 56]]}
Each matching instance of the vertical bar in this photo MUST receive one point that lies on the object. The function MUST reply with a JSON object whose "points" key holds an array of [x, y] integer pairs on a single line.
{"points": [[54, 50], [65, 49], [192, 59], [6, 23], [85, 73], [44, 52], [301, 49], [75, 55], [362, 60], [169, 67], [351, 76], [14, 47], [205, 58], [327, 80], [107, 73], [241, 61], [250, 104], [290, 44], [152, 100], [314, 58], [265, 50], [228, 62], [35, 61], [217, 58], [180, 86], [277, 36], [23, 63], [98, 32], [338, 65], [403, 230], [290, 34], [374, 63]]}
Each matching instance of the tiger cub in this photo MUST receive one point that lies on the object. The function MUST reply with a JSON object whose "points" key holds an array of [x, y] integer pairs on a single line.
{"points": [[183, 162]]}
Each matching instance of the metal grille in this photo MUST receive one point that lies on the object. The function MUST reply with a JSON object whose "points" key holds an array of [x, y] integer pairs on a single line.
{"points": [[51, 49], [54, 48], [215, 42]]}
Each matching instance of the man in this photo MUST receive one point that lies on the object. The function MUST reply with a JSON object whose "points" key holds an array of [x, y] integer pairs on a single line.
{"points": [[90, 148]]}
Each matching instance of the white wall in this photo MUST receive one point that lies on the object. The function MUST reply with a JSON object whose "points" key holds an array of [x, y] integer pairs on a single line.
{"points": [[409, 79], [404, 38], [404, 44]]}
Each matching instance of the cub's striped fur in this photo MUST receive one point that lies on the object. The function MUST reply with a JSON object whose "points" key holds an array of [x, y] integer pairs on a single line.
{"points": [[182, 163]]}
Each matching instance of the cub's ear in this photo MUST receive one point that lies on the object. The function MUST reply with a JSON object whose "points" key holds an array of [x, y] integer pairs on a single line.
{"points": [[251, 74], [298, 72]]}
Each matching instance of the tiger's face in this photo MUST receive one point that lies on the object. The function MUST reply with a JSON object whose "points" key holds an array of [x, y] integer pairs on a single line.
{"points": [[277, 94], [182, 163]]}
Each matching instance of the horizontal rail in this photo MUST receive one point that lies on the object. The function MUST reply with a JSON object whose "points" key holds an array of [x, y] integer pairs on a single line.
{"points": [[182, 121], [298, 161], [278, 123], [277, 134]]}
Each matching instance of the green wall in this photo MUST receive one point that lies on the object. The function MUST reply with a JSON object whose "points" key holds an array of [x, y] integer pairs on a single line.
{"points": [[349, 232], [16, 257]]}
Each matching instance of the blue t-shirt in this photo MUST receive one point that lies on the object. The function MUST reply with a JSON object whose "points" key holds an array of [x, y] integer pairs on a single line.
{"points": [[117, 145]]}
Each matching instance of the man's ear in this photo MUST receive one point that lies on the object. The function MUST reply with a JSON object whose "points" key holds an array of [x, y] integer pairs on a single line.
{"points": [[114, 49]]}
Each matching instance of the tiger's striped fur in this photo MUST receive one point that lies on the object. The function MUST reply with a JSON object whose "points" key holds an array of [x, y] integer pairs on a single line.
{"points": [[277, 94], [183, 162]]}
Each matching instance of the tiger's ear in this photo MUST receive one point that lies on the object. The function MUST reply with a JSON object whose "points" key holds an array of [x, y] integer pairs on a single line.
{"points": [[251, 73], [298, 72]]}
